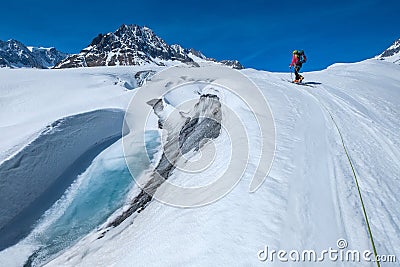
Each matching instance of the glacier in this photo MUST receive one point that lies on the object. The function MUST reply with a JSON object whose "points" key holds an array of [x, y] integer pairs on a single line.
{"points": [[309, 199]]}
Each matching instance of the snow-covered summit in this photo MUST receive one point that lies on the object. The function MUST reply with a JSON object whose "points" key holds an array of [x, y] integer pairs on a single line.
{"points": [[15, 54], [131, 45], [392, 54]]}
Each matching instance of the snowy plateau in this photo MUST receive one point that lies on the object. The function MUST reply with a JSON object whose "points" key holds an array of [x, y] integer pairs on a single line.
{"points": [[67, 197]]}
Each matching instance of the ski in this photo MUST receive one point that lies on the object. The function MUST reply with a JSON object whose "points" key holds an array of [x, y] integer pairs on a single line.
{"points": [[299, 83], [303, 84]]}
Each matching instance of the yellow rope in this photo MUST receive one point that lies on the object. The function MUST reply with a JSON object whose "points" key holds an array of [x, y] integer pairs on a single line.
{"points": [[356, 180]]}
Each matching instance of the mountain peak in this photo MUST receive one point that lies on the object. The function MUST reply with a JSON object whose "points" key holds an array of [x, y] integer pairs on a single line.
{"points": [[130, 45], [131, 29]]}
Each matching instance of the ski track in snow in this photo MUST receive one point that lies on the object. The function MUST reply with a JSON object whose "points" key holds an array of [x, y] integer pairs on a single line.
{"points": [[376, 164], [309, 199]]}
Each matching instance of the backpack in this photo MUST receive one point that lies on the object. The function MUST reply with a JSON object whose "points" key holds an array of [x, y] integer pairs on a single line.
{"points": [[302, 56]]}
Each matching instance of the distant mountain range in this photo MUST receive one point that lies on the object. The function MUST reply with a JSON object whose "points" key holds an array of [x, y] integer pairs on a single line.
{"points": [[15, 54], [135, 45], [128, 45]]}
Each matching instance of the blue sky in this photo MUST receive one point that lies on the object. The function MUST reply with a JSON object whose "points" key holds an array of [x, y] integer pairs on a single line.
{"points": [[260, 34]]}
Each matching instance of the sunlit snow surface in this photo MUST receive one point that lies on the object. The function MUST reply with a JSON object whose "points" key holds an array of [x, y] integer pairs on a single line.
{"points": [[309, 199]]}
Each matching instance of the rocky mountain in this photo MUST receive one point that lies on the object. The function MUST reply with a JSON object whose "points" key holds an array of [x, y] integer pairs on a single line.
{"points": [[232, 63], [15, 54], [47, 57], [392, 54], [133, 45]]}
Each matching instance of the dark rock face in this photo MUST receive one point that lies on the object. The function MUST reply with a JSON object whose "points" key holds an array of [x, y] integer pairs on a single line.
{"points": [[197, 53], [131, 45], [392, 50], [14, 54], [205, 124], [48, 57], [128, 45], [233, 63], [230, 63]]}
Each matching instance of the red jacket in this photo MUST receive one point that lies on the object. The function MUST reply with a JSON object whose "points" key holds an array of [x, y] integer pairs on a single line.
{"points": [[295, 60]]}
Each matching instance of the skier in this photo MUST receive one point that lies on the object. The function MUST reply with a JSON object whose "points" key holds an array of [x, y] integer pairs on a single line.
{"points": [[297, 61]]}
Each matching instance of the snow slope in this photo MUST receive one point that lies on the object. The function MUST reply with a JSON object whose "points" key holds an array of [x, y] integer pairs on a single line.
{"points": [[309, 199], [32, 99], [53, 123]]}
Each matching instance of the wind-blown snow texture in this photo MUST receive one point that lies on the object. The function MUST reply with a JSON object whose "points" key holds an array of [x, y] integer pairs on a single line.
{"points": [[309, 199], [32, 99]]}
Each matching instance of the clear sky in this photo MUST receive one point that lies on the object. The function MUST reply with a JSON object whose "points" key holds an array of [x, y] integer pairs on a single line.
{"points": [[260, 34]]}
